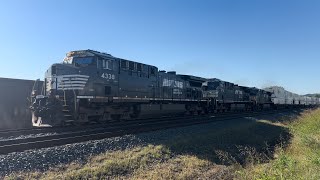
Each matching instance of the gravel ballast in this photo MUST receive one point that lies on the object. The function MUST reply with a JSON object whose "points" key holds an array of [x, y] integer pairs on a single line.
{"points": [[27, 136], [43, 159]]}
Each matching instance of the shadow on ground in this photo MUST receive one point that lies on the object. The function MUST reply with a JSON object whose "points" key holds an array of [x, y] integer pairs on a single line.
{"points": [[240, 141], [283, 117]]}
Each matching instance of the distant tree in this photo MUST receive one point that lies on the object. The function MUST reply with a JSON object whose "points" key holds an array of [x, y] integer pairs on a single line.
{"points": [[313, 95]]}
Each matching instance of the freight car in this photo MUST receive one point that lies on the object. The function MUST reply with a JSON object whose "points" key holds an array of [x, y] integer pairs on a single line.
{"points": [[93, 86], [283, 98]]}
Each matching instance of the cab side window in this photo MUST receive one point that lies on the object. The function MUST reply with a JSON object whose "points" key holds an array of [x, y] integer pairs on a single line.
{"points": [[123, 64], [152, 71], [139, 67], [131, 65], [107, 64]]}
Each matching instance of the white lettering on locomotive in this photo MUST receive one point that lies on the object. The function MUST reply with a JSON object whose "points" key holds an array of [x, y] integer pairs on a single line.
{"points": [[108, 76], [177, 91], [172, 83]]}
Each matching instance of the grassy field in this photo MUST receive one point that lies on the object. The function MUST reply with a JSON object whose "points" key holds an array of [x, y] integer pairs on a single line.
{"points": [[280, 148], [298, 160]]}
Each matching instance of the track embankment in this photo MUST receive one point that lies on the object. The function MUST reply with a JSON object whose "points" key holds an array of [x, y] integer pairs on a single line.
{"points": [[298, 158], [195, 151], [69, 135]]}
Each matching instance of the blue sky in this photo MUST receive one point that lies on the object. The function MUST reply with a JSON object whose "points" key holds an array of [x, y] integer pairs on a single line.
{"points": [[253, 43]]}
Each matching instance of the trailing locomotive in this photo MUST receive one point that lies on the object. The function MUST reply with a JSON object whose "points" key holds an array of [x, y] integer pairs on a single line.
{"points": [[93, 86]]}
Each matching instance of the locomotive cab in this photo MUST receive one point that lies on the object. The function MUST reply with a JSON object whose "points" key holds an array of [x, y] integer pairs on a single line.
{"points": [[210, 88], [93, 86], [82, 74]]}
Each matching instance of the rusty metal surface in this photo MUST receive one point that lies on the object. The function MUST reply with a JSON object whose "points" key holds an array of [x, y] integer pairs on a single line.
{"points": [[14, 103]]}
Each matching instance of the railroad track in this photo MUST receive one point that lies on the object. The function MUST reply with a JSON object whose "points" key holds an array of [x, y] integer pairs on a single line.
{"points": [[81, 134], [44, 130]]}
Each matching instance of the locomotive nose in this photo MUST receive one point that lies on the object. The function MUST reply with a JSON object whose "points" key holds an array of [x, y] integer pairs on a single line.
{"points": [[61, 69], [55, 72]]}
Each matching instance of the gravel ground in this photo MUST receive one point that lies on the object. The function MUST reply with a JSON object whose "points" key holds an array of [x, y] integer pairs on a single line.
{"points": [[43, 159]]}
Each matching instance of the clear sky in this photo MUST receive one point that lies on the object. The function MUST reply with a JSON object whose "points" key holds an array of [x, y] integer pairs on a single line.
{"points": [[253, 43]]}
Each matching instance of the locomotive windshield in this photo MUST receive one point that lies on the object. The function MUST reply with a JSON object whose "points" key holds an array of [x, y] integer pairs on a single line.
{"points": [[79, 61], [213, 85], [82, 60]]}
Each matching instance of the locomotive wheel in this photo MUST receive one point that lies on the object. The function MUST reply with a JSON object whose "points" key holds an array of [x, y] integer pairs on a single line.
{"points": [[115, 117], [136, 112], [205, 111], [188, 113], [83, 117], [125, 116], [105, 117], [134, 116]]}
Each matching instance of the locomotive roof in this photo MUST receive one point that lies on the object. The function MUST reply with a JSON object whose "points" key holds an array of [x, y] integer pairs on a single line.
{"points": [[214, 79], [193, 78], [90, 52], [87, 52]]}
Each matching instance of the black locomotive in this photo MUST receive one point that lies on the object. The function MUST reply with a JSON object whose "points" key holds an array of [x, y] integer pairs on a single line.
{"points": [[94, 86]]}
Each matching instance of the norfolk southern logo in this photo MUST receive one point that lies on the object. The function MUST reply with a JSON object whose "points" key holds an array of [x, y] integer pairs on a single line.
{"points": [[71, 82]]}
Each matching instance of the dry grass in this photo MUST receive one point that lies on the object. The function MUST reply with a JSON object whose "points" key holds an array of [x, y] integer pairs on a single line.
{"points": [[108, 165], [151, 162], [183, 167]]}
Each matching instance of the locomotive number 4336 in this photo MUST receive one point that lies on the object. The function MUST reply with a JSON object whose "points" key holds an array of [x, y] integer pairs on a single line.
{"points": [[108, 76]]}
